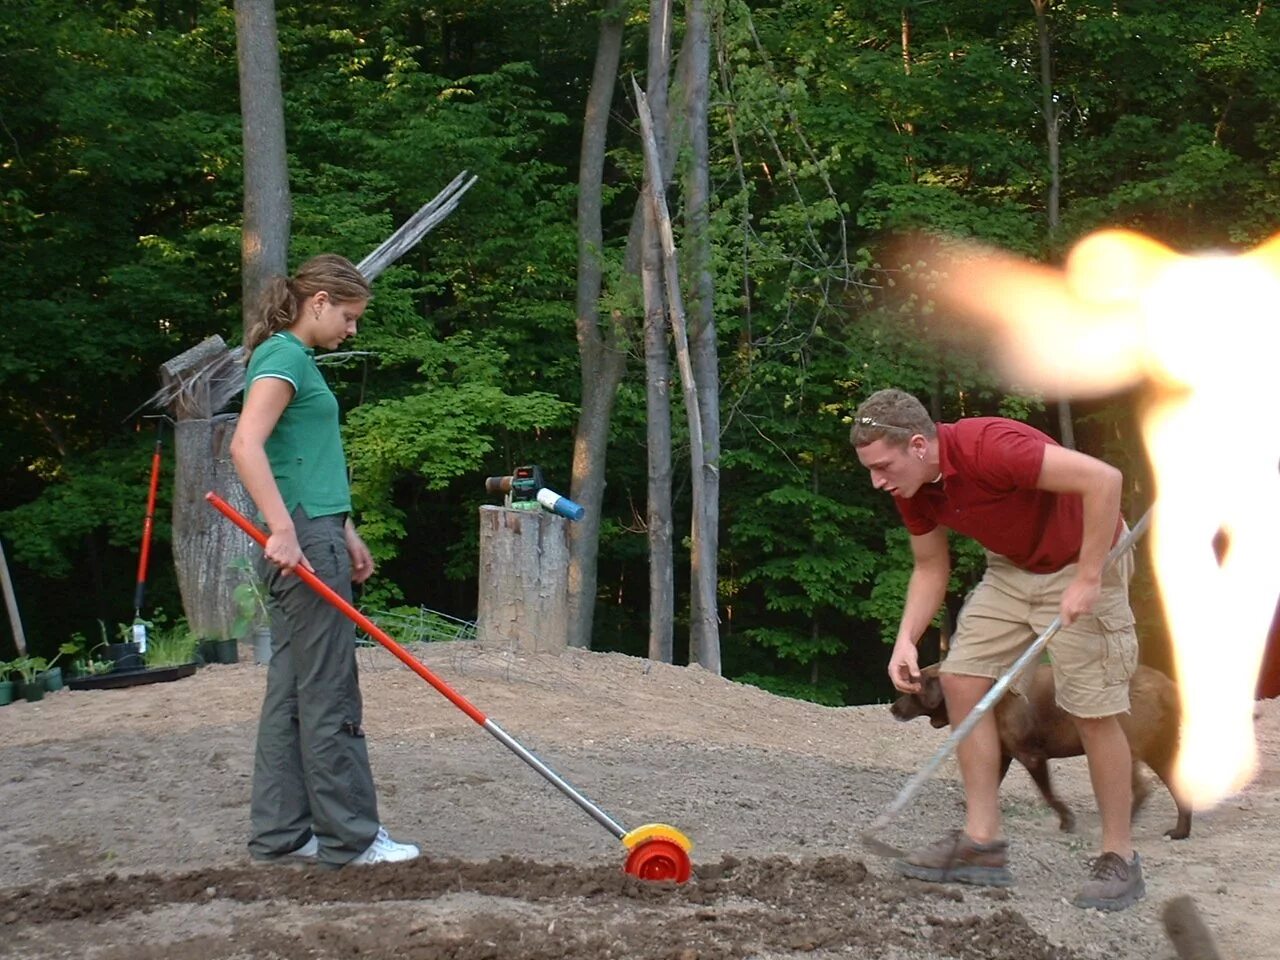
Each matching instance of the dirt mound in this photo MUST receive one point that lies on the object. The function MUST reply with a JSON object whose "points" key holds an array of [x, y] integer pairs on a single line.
{"points": [[125, 819], [731, 909]]}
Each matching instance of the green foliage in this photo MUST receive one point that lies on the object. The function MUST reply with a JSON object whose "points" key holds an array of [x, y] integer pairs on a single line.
{"points": [[100, 490], [121, 172], [442, 427], [884, 603], [250, 599], [828, 692]]}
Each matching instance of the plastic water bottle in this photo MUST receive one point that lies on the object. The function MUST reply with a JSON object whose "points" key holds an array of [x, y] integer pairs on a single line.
{"points": [[559, 505]]}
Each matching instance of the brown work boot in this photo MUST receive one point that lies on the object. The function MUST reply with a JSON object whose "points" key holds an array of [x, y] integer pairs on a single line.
{"points": [[1113, 884], [958, 859]]}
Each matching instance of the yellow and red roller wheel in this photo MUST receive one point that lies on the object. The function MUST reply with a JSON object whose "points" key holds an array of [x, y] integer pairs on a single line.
{"points": [[658, 852]]}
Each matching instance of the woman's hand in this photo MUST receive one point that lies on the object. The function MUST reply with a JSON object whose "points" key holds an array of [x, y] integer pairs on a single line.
{"points": [[284, 551], [362, 565]]}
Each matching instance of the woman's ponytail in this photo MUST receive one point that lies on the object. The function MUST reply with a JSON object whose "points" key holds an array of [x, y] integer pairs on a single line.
{"points": [[275, 311]]}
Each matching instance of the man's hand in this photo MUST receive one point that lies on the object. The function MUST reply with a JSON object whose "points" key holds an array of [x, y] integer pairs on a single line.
{"points": [[1079, 599], [904, 667], [362, 565]]}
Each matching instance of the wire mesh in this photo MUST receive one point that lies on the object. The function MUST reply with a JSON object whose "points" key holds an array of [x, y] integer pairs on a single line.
{"points": [[428, 633]]}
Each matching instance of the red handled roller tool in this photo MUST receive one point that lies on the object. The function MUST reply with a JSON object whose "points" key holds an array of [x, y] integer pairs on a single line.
{"points": [[140, 588], [656, 851]]}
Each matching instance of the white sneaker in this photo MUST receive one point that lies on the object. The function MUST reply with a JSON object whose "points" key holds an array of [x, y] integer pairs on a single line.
{"points": [[385, 850], [309, 852]]}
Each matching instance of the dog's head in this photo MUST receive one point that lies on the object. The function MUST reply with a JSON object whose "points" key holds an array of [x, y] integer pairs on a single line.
{"points": [[927, 703]]}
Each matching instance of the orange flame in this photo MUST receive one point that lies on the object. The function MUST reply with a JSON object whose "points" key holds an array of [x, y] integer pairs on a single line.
{"points": [[1201, 334]]}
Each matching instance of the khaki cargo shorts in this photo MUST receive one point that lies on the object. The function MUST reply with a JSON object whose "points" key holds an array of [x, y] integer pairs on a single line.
{"points": [[1093, 658]]}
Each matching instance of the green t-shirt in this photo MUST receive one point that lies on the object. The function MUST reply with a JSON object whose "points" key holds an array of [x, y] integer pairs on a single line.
{"points": [[305, 448]]}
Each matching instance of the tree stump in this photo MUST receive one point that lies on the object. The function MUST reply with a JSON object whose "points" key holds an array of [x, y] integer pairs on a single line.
{"points": [[524, 579], [205, 546]]}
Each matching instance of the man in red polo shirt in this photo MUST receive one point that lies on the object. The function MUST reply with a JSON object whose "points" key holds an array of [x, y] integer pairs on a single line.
{"points": [[1048, 517]]}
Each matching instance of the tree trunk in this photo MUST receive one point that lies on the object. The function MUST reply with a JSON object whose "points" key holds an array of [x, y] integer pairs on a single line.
{"points": [[264, 243], [679, 332], [603, 356], [205, 549], [1049, 109], [657, 362], [602, 360], [704, 637], [204, 545], [659, 523], [907, 126], [935, 411]]}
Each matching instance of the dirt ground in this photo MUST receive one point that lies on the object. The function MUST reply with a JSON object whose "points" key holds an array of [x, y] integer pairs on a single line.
{"points": [[124, 816]]}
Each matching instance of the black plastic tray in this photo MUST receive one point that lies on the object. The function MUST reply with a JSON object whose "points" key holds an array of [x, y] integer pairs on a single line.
{"points": [[130, 678]]}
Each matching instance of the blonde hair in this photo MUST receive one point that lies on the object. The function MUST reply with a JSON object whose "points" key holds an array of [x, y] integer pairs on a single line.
{"points": [[892, 415], [282, 297]]}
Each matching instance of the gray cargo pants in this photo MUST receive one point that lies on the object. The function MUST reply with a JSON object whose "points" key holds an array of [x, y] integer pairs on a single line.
{"points": [[311, 767]]}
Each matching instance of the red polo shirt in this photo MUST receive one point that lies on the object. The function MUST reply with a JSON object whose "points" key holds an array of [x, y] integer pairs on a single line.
{"points": [[990, 467]]}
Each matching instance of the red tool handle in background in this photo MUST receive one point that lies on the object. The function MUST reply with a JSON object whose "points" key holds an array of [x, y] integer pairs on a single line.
{"points": [[140, 590], [363, 622]]}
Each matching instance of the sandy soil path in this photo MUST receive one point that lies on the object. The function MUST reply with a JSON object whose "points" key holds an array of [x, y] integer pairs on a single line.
{"points": [[124, 816]]}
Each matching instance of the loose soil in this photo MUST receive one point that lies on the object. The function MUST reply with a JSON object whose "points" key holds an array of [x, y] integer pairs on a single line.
{"points": [[125, 815]]}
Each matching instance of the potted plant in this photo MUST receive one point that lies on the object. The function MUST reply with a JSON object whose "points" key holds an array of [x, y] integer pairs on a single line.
{"points": [[6, 685], [171, 647], [125, 654], [252, 620], [84, 663], [51, 676], [31, 686]]}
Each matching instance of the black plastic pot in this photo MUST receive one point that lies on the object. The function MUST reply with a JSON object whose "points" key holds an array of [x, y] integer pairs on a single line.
{"points": [[33, 691], [218, 651], [124, 656]]}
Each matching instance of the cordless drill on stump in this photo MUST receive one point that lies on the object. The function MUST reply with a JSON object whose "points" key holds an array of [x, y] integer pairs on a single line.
{"points": [[525, 489]]}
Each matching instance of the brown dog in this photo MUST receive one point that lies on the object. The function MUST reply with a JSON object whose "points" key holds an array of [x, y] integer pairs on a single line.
{"points": [[1034, 729]]}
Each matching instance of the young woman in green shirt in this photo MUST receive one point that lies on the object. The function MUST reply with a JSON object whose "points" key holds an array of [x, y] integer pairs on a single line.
{"points": [[313, 793]]}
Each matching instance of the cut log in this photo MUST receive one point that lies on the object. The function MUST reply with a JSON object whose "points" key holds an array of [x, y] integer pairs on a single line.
{"points": [[524, 579], [199, 382]]}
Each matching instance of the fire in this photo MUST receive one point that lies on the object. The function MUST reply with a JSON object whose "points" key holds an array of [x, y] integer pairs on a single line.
{"points": [[1201, 335]]}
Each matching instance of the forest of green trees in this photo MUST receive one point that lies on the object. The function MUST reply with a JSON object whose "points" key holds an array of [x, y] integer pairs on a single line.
{"points": [[833, 128]]}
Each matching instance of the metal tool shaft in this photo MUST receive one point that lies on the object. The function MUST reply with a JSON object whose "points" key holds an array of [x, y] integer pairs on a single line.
{"points": [[596, 814], [421, 669]]}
